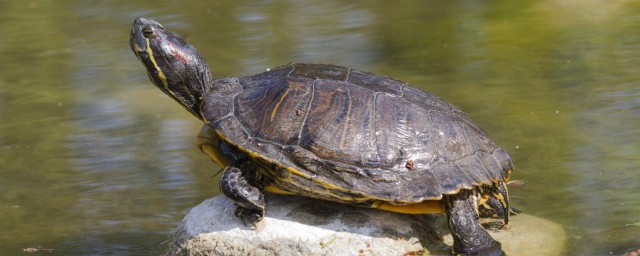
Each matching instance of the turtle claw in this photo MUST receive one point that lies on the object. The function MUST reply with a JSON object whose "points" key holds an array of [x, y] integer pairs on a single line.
{"points": [[514, 211], [249, 217], [249, 201], [495, 226]]}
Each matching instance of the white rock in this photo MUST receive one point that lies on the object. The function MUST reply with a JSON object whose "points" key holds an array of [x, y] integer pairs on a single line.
{"points": [[303, 226]]}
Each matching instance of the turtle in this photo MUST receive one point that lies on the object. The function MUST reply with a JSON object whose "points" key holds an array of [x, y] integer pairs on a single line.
{"points": [[334, 133]]}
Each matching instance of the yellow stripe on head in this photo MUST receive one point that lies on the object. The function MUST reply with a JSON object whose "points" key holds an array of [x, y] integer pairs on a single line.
{"points": [[161, 75]]}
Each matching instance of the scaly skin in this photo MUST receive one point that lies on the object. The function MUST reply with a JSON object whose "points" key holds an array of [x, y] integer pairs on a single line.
{"points": [[248, 198], [469, 237]]}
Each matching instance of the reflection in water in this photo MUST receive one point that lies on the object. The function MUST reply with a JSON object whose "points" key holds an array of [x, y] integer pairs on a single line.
{"points": [[95, 160], [126, 170]]}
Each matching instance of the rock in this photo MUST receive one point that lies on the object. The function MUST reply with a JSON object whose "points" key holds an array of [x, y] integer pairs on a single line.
{"points": [[304, 226]]}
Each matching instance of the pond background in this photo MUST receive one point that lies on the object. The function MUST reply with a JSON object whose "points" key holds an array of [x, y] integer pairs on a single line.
{"points": [[94, 160]]}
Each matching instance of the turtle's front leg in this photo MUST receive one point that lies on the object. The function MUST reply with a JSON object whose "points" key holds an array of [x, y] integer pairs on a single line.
{"points": [[469, 237], [248, 198]]}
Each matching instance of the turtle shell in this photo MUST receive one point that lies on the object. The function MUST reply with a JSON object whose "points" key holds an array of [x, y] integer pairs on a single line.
{"points": [[345, 135]]}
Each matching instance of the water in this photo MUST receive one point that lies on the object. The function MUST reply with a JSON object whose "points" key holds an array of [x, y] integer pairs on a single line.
{"points": [[95, 160]]}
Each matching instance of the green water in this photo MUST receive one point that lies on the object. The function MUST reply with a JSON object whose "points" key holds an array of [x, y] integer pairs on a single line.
{"points": [[95, 160]]}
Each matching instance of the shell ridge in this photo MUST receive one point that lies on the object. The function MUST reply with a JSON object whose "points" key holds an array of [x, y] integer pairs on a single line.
{"points": [[306, 114], [375, 133]]}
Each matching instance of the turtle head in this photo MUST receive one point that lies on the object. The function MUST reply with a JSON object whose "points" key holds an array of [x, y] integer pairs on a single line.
{"points": [[173, 64]]}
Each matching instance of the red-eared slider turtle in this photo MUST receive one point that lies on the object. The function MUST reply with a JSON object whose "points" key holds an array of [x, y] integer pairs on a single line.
{"points": [[333, 133]]}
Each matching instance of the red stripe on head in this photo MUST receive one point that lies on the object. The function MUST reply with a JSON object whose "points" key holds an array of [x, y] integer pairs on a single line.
{"points": [[178, 53]]}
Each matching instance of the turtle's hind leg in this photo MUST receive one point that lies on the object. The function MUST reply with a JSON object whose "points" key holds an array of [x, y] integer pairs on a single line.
{"points": [[497, 203], [469, 237], [248, 198]]}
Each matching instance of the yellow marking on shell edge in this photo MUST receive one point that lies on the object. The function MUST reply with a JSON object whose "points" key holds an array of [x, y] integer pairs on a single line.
{"points": [[430, 206], [275, 109], [328, 185], [277, 190], [288, 168], [346, 122], [418, 207], [161, 75]]}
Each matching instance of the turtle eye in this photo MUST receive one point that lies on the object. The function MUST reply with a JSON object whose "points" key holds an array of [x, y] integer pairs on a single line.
{"points": [[147, 32]]}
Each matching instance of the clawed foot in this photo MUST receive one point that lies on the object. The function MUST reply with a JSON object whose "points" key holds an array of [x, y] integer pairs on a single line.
{"points": [[495, 226], [249, 217], [494, 249], [248, 198]]}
